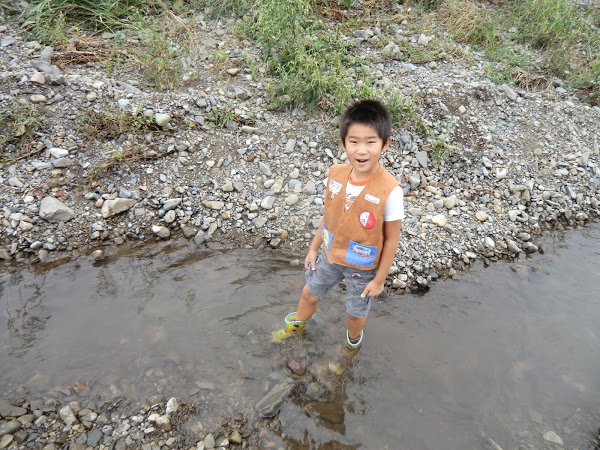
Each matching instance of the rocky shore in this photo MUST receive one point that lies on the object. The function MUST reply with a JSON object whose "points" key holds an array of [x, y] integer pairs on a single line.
{"points": [[221, 167]]}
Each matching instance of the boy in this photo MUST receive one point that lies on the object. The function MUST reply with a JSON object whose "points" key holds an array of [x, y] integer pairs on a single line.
{"points": [[361, 224]]}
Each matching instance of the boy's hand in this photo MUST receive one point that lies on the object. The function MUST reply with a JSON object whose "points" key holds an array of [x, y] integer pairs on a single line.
{"points": [[310, 262], [372, 289]]}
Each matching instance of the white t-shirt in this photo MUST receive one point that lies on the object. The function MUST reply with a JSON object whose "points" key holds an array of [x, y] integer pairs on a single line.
{"points": [[394, 205]]}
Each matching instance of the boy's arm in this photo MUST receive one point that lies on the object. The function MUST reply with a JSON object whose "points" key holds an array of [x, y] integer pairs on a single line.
{"points": [[311, 258], [391, 232]]}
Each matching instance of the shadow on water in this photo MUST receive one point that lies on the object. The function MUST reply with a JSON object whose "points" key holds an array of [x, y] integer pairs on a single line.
{"points": [[503, 354]]}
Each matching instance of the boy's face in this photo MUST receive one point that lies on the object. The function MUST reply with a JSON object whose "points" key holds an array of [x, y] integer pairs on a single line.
{"points": [[363, 146]]}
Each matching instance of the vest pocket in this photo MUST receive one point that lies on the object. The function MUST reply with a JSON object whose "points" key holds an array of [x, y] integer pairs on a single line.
{"points": [[361, 255]]}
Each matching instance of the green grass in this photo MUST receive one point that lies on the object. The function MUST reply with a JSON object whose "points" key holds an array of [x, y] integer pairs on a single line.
{"points": [[18, 122], [566, 37], [220, 115], [311, 66], [160, 55], [110, 125]]}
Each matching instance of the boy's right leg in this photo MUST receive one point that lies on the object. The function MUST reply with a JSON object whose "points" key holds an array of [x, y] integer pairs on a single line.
{"points": [[307, 305], [296, 322]]}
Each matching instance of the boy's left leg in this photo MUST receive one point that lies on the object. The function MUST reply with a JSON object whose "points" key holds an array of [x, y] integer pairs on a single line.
{"points": [[355, 325], [354, 333], [357, 307]]}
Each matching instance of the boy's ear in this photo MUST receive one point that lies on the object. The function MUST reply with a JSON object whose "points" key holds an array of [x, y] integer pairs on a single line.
{"points": [[343, 144], [386, 144]]}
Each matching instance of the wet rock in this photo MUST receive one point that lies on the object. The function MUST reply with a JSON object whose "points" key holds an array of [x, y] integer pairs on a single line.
{"points": [[6, 409], [67, 416], [299, 365], [314, 391], [209, 441], [512, 246], [236, 438], [5, 441], [9, 427], [269, 405], [551, 436]]}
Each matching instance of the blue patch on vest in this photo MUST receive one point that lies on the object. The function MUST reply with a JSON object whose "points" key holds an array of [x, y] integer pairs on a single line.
{"points": [[361, 255]]}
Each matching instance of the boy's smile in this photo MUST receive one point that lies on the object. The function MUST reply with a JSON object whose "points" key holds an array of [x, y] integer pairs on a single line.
{"points": [[364, 147]]}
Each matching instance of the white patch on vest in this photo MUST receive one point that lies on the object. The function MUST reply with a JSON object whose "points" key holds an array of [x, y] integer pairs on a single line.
{"points": [[334, 187], [372, 199]]}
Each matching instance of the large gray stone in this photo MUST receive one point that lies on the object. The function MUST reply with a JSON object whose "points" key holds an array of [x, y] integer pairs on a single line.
{"points": [[53, 210], [8, 410], [10, 427], [67, 416], [269, 405]]}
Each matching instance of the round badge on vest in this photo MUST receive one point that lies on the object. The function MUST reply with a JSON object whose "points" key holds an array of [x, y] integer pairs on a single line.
{"points": [[367, 220]]}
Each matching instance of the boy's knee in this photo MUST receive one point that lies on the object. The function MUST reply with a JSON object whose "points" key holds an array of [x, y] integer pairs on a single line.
{"points": [[308, 296]]}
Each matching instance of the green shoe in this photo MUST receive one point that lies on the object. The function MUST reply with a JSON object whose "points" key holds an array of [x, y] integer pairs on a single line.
{"points": [[292, 328], [354, 344]]}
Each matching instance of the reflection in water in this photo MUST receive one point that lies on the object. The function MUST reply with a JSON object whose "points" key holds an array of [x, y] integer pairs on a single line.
{"points": [[26, 315], [502, 354]]}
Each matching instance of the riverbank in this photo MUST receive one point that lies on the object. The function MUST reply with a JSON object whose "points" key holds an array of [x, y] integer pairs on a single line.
{"points": [[220, 167], [522, 162]]}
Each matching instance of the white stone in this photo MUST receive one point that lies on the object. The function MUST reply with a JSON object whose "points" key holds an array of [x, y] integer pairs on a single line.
{"points": [[162, 119], [161, 232], [39, 78], [115, 206], [38, 98], [488, 242], [291, 199], [439, 220], [481, 216], [58, 152], [450, 202], [551, 436], [53, 210], [501, 172], [172, 405], [171, 204]]}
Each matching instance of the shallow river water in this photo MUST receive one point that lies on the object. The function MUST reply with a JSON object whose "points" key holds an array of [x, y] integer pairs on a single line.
{"points": [[503, 354]]}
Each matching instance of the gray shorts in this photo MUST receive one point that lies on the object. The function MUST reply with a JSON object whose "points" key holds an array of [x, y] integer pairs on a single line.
{"points": [[327, 275]]}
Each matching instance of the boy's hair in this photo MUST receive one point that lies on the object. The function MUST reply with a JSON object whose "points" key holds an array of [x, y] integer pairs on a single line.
{"points": [[367, 112]]}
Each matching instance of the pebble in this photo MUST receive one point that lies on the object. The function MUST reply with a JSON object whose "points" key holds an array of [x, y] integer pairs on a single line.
{"points": [[38, 98], [551, 436], [38, 78], [162, 119], [439, 220]]}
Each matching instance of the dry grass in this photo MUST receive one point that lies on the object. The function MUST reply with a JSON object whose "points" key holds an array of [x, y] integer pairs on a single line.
{"points": [[465, 19], [531, 82]]}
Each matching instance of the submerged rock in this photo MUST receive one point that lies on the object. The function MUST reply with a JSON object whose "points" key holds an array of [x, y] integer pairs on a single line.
{"points": [[269, 405]]}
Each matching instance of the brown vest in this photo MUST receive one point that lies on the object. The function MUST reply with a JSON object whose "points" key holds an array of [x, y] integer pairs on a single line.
{"points": [[355, 238]]}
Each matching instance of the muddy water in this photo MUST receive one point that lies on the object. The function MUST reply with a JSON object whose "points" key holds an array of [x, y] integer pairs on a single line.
{"points": [[504, 353]]}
